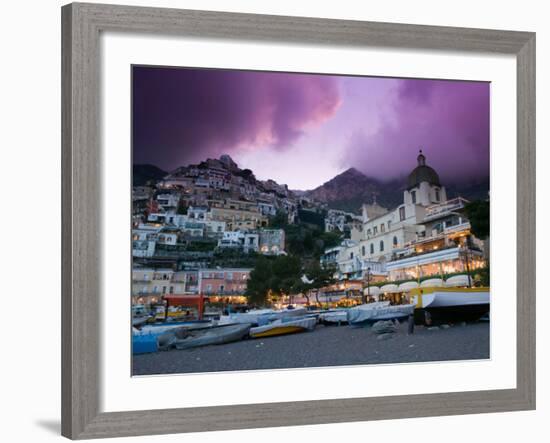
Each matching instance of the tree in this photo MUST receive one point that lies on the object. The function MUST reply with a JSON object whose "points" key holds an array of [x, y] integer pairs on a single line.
{"points": [[286, 271], [279, 220], [478, 214], [258, 285], [320, 276], [276, 275]]}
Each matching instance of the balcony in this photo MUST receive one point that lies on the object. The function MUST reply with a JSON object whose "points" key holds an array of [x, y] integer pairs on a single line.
{"points": [[435, 211]]}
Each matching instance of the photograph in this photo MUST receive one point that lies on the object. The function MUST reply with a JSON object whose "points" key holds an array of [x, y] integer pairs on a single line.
{"points": [[286, 220]]}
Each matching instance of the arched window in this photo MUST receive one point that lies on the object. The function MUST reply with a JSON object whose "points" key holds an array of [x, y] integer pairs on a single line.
{"points": [[381, 245], [394, 241], [363, 250], [372, 248]]}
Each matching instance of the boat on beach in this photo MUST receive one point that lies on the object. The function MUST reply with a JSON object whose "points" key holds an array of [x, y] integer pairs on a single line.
{"points": [[284, 326], [161, 328], [144, 344], [340, 316], [261, 316], [185, 338], [372, 312], [450, 304], [141, 320]]}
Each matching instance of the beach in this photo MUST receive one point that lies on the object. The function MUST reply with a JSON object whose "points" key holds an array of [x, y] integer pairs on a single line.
{"points": [[325, 346]]}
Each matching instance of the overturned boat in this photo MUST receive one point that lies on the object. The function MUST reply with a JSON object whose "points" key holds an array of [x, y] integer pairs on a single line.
{"points": [[372, 312], [262, 316], [185, 338], [161, 328], [340, 316], [435, 305], [144, 344], [284, 326], [334, 317]]}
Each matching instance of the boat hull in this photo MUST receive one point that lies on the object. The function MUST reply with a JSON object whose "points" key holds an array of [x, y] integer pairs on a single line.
{"points": [[451, 314], [217, 335], [365, 315], [452, 305], [282, 330], [334, 318], [284, 327]]}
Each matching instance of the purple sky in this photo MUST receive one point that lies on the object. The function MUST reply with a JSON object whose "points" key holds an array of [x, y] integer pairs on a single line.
{"points": [[303, 129]]}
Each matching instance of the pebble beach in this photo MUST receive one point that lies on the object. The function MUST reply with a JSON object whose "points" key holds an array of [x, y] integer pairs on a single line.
{"points": [[325, 346]]}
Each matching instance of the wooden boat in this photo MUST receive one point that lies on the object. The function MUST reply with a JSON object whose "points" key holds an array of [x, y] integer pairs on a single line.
{"points": [[372, 312], [284, 326], [185, 338], [437, 305]]}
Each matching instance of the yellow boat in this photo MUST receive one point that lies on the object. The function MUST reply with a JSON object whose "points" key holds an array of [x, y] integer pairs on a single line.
{"points": [[283, 327]]}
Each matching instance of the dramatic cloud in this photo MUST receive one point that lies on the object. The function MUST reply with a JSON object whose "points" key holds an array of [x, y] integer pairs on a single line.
{"points": [[277, 123], [449, 120], [186, 115]]}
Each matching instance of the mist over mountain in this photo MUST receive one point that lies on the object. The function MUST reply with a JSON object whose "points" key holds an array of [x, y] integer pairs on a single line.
{"points": [[350, 189], [346, 191]]}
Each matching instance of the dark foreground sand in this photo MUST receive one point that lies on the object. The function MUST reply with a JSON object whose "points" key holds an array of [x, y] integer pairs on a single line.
{"points": [[326, 346]]}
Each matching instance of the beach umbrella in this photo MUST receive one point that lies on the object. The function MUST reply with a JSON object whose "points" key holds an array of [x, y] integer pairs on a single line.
{"points": [[457, 280], [407, 286], [372, 290], [432, 283], [389, 288]]}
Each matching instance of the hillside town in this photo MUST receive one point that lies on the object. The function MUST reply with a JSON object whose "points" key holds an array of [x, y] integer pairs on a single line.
{"points": [[198, 233]]}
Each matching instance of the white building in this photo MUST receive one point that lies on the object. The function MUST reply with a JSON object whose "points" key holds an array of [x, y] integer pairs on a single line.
{"points": [[247, 241], [425, 216], [144, 239], [168, 202]]}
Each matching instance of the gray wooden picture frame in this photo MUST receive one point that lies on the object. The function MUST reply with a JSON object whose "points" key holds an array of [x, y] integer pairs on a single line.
{"points": [[81, 205]]}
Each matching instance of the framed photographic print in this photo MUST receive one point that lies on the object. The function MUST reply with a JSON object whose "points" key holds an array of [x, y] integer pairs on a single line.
{"points": [[337, 215]]}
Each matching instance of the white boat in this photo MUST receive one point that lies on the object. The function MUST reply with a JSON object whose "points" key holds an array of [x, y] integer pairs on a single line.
{"points": [[289, 313], [184, 338], [455, 297], [261, 316], [284, 326], [451, 304], [373, 312], [141, 320], [161, 328], [336, 316]]}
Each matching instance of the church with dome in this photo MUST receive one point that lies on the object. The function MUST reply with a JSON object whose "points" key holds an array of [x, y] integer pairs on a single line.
{"points": [[424, 235], [423, 186]]}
